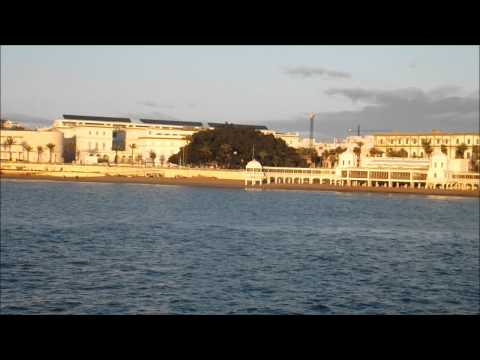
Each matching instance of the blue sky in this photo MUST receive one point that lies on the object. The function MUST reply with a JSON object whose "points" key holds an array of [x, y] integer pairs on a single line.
{"points": [[387, 87]]}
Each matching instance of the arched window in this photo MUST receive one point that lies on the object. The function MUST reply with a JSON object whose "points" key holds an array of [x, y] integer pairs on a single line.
{"points": [[421, 154], [414, 154], [457, 141], [468, 141]]}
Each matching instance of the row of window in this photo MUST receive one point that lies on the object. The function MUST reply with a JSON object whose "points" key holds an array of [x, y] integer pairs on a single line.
{"points": [[96, 132], [414, 141]]}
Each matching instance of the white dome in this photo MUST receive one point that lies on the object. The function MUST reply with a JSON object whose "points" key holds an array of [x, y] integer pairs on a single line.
{"points": [[254, 164]]}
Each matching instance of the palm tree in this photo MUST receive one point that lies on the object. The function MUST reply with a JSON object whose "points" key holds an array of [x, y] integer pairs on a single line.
{"points": [[8, 143], [133, 147], [153, 156], [459, 153], [443, 148], [50, 147], [39, 152], [427, 147], [27, 148]]}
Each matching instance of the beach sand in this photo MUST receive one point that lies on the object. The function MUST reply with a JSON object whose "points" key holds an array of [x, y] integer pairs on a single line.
{"points": [[218, 183]]}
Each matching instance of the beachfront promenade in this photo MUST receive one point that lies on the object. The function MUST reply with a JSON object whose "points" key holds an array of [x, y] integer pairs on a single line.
{"points": [[256, 175]]}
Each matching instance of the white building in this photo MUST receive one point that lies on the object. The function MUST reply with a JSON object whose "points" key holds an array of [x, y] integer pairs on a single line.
{"points": [[32, 145], [101, 136]]}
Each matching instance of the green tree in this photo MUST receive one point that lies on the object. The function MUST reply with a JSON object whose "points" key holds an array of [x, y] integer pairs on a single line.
{"points": [[153, 155], [39, 152], [397, 153], [375, 152], [427, 147], [444, 149], [9, 141], [460, 151], [475, 158], [132, 147], [50, 147], [27, 148], [205, 147]]}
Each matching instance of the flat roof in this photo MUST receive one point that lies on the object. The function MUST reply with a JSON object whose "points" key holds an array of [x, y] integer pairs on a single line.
{"points": [[96, 118], [433, 133], [220, 125], [172, 122]]}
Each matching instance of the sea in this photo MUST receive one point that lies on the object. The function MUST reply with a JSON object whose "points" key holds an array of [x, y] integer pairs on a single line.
{"points": [[97, 248]]}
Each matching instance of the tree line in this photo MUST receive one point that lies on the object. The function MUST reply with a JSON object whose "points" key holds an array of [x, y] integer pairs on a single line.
{"points": [[10, 141], [232, 147]]}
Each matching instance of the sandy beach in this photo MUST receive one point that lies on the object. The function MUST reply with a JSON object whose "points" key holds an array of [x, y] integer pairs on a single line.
{"points": [[218, 183]]}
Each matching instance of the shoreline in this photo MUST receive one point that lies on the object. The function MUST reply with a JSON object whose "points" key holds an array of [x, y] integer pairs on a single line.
{"points": [[239, 184]]}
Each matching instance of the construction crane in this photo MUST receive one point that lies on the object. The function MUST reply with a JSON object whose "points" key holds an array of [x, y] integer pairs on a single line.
{"points": [[311, 116]]}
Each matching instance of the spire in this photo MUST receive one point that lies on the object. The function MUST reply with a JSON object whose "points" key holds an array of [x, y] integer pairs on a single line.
{"points": [[253, 152]]}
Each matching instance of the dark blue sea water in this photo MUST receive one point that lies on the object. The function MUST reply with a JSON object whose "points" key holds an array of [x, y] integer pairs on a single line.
{"points": [[86, 248]]}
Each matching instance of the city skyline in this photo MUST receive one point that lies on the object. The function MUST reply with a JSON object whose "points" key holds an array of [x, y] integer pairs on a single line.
{"points": [[402, 88]]}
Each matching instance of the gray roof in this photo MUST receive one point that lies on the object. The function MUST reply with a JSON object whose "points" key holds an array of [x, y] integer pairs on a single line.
{"points": [[96, 118], [220, 125], [172, 122]]}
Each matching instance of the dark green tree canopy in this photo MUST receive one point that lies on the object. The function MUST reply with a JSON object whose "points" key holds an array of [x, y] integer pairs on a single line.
{"points": [[231, 147]]}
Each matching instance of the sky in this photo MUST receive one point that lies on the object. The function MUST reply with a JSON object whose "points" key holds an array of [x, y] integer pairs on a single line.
{"points": [[380, 88]]}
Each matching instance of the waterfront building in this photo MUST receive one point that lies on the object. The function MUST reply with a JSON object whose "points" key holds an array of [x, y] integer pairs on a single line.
{"points": [[411, 142], [107, 137], [438, 171], [14, 145]]}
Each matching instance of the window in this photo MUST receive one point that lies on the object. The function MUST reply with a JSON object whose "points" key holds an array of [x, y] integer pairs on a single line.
{"points": [[406, 141], [446, 141], [457, 141], [103, 146], [343, 162], [438, 141], [391, 141], [96, 133], [421, 154], [435, 165], [414, 154], [348, 162], [468, 155], [468, 141], [89, 133], [414, 141], [104, 133]]}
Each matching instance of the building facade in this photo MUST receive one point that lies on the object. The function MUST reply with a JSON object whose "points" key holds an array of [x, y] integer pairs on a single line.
{"points": [[105, 138], [411, 142], [22, 140]]}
